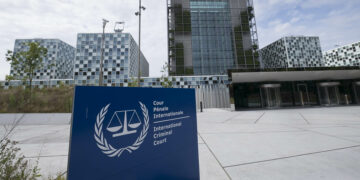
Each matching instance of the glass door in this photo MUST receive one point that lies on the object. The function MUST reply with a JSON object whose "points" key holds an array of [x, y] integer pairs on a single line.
{"points": [[329, 93], [334, 95], [357, 91], [303, 94], [271, 95]]}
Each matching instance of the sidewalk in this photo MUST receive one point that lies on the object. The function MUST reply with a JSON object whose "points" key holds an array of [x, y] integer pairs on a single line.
{"points": [[316, 143]]}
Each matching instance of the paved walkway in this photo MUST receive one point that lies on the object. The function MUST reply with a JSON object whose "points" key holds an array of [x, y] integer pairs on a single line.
{"points": [[316, 143], [321, 143]]}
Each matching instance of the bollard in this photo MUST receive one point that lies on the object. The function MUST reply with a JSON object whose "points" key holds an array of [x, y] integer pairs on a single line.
{"points": [[201, 106]]}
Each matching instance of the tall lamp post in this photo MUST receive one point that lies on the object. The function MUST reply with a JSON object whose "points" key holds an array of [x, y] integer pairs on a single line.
{"points": [[102, 53], [141, 8]]}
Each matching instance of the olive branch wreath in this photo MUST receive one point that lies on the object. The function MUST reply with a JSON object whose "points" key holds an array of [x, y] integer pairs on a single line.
{"points": [[109, 150]]}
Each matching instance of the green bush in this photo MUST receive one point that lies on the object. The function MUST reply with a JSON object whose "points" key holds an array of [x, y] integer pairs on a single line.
{"points": [[13, 166], [46, 100]]}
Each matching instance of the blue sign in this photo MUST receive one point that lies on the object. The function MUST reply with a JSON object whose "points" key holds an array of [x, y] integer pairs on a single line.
{"points": [[133, 133]]}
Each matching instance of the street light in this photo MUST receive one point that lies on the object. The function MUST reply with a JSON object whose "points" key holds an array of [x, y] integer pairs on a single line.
{"points": [[102, 53], [141, 8]]}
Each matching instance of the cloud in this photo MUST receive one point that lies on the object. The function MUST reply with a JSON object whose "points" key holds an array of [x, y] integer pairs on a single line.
{"points": [[63, 19], [335, 22], [320, 3]]}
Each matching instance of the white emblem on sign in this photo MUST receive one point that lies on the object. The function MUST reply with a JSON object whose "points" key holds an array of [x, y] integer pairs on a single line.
{"points": [[130, 118], [122, 123]]}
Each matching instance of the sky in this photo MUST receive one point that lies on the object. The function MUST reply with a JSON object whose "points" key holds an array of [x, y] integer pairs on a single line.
{"points": [[335, 22]]}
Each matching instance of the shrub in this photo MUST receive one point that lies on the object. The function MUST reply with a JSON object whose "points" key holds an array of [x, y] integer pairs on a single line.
{"points": [[46, 100], [13, 166]]}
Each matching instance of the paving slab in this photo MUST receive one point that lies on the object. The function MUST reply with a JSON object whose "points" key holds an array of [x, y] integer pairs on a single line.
{"points": [[214, 117], [210, 169], [242, 117], [339, 115], [282, 117], [339, 164], [245, 117], [340, 132], [233, 149], [45, 149], [213, 128], [26, 134]]}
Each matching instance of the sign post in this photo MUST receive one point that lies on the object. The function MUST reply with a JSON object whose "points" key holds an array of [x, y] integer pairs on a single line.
{"points": [[133, 133]]}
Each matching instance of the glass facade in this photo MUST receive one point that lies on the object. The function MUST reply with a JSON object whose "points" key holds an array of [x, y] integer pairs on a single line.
{"points": [[295, 94], [120, 59], [208, 37], [58, 63], [348, 55], [212, 46], [293, 52]]}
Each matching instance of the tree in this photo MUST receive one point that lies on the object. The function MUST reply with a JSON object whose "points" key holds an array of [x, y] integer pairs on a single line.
{"points": [[27, 61], [9, 78], [165, 80]]}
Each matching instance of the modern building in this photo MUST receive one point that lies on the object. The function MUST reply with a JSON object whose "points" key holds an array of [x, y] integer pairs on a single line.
{"points": [[120, 59], [292, 52], [213, 49], [295, 88], [58, 63], [348, 55], [208, 37]]}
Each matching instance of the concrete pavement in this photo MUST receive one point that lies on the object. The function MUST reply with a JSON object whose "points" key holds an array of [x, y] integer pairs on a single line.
{"points": [[314, 143]]}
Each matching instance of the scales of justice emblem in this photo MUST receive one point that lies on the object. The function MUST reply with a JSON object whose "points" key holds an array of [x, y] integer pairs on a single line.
{"points": [[130, 119], [122, 123]]}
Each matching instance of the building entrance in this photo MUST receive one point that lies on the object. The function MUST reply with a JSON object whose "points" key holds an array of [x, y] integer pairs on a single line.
{"points": [[357, 91], [271, 95], [303, 94], [329, 93]]}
